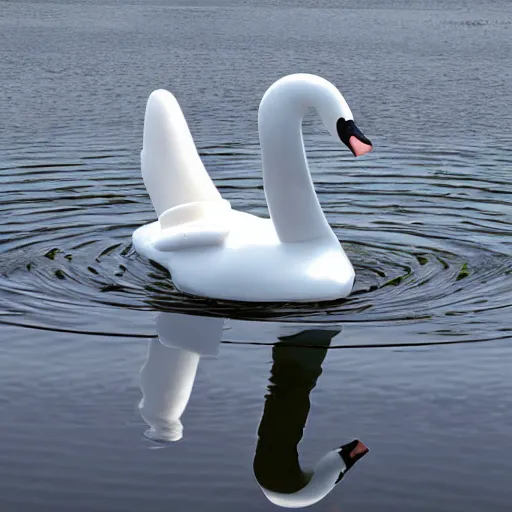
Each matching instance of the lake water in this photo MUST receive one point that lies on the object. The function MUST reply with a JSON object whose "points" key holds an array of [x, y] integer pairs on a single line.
{"points": [[415, 363]]}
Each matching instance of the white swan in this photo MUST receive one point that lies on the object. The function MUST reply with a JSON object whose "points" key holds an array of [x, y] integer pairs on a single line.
{"points": [[214, 251]]}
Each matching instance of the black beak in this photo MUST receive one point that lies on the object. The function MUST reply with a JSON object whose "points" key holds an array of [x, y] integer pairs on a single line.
{"points": [[351, 453], [353, 137]]}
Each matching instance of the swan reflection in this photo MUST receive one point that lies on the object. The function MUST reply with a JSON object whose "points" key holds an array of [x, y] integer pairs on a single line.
{"points": [[297, 365], [167, 378]]}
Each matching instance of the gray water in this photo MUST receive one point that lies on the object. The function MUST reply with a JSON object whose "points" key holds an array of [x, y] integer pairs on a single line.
{"points": [[420, 369]]}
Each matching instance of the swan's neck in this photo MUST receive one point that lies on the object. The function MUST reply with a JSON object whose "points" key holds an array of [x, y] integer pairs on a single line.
{"points": [[293, 205], [294, 375], [276, 462]]}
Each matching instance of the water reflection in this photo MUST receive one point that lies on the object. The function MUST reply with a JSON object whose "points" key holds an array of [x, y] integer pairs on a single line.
{"points": [[297, 365], [167, 378]]}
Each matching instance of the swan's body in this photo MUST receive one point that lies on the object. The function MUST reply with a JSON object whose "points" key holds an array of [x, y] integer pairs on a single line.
{"points": [[214, 251]]}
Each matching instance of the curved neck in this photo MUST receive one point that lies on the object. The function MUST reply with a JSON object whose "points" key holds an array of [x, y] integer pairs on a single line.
{"points": [[294, 375], [293, 205], [292, 201]]}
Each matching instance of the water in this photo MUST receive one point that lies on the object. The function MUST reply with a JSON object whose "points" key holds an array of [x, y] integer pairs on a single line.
{"points": [[425, 218]]}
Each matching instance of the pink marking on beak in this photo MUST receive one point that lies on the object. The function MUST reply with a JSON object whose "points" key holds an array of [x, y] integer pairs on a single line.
{"points": [[361, 449], [358, 148]]}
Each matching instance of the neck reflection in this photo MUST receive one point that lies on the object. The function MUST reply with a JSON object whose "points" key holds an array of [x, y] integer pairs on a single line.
{"points": [[297, 365]]}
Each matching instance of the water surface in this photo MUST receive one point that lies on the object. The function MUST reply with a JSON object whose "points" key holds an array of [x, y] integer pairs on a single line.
{"points": [[425, 219]]}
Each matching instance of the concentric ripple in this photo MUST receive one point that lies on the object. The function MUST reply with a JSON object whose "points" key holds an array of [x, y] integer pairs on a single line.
{"points": [[429, 231]]}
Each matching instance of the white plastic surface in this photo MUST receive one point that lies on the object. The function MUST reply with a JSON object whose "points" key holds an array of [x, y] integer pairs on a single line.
{"points": [[213, 251]]}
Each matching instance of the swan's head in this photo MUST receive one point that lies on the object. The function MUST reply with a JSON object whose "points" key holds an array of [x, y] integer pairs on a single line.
{"points": [[352, 137], [328, 472], [295, 94], [338, 118]]}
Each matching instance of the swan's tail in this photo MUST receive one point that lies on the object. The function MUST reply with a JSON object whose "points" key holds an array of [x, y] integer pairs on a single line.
{"points": [[171, 167]]}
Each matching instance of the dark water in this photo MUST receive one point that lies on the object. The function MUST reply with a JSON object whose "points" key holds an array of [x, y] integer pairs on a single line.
{"points": [[425, 219]]}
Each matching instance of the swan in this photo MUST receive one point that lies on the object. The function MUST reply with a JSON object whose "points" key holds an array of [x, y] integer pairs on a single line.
{"points": [[214, 251], [294, 373]]}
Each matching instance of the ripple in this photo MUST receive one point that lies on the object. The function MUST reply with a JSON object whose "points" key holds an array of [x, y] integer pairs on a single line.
{"points": [[428, 231]]}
